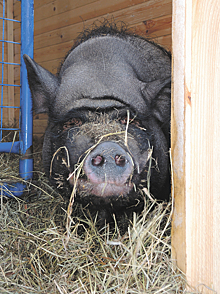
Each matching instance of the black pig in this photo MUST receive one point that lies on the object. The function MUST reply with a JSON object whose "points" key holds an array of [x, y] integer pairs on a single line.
{"points": [[109, 109]]}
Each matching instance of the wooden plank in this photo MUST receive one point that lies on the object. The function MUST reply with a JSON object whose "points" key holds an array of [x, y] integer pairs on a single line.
{"points": [[154, 8], [17, 10], [178, 134], [57, 7], [52, 52], [151, 28], [164, 41], [37, 4], [154, 28], [40, 3], [52, 65], [10, 74], [205, 205], [41, 116], [39, 126], [195, 141]]}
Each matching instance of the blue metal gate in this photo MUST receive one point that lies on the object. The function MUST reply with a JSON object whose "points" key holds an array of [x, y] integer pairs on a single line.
{"points": [[25, 126]]}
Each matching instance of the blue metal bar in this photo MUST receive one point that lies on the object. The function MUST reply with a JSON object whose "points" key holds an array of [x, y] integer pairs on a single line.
{"points": [[27, 40], [13, 190], [10, 129], [8, 85], [10, 63], [3, 41], [12, 147], [3, 51], [9, 19], [24, 145]]}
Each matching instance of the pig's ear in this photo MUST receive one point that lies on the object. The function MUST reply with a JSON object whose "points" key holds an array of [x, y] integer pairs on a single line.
{"points": [[42, 83], [157, 93]]}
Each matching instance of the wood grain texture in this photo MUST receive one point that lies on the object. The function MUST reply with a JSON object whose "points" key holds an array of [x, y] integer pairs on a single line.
{"points": [[196, 156], [120, 9], [178, 135]]}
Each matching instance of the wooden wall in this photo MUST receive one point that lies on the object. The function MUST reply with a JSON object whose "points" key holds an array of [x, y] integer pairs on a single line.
{"points": [[195, 141], [58, 22]]}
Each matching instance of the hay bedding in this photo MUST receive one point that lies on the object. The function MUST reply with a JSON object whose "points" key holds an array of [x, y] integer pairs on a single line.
{"points": [[35, 257]]}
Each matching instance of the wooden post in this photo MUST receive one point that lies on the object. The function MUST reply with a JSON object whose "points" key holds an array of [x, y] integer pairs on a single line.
{"points": [[10, 52], [195, 142]]}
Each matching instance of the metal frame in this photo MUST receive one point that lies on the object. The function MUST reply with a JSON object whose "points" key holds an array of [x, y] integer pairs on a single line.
{"points": [[24, 145]]}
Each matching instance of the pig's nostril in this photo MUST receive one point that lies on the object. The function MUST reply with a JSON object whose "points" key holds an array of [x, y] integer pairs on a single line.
{"points": [[98, 160], [120, 160]]}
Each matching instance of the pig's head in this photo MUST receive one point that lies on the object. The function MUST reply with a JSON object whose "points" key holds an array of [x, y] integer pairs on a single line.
{"points": [[109, 116]]}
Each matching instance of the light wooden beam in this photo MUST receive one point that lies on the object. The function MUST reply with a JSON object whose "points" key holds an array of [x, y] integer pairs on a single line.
{"points": [[195, 142]]}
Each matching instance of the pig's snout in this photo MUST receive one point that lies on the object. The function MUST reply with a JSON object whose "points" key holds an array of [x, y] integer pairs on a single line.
{"points": [[109, 163], [109, 169]]}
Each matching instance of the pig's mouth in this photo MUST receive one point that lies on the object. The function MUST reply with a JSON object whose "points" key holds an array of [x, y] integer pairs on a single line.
{"points": [[101, 189]]}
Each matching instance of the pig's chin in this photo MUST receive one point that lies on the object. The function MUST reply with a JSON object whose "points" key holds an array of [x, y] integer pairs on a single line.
{"points": [[104, 189]]}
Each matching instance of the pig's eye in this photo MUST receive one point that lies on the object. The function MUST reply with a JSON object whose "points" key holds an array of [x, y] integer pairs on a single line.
{"points": [[132, 121], [73, 122]]}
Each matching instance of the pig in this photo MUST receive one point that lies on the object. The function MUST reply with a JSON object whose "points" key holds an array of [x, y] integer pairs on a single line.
{"points": [[108, 112]]}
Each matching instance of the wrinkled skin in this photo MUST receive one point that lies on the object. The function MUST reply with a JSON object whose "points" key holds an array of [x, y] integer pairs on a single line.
{"points": [[108, 109]]}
